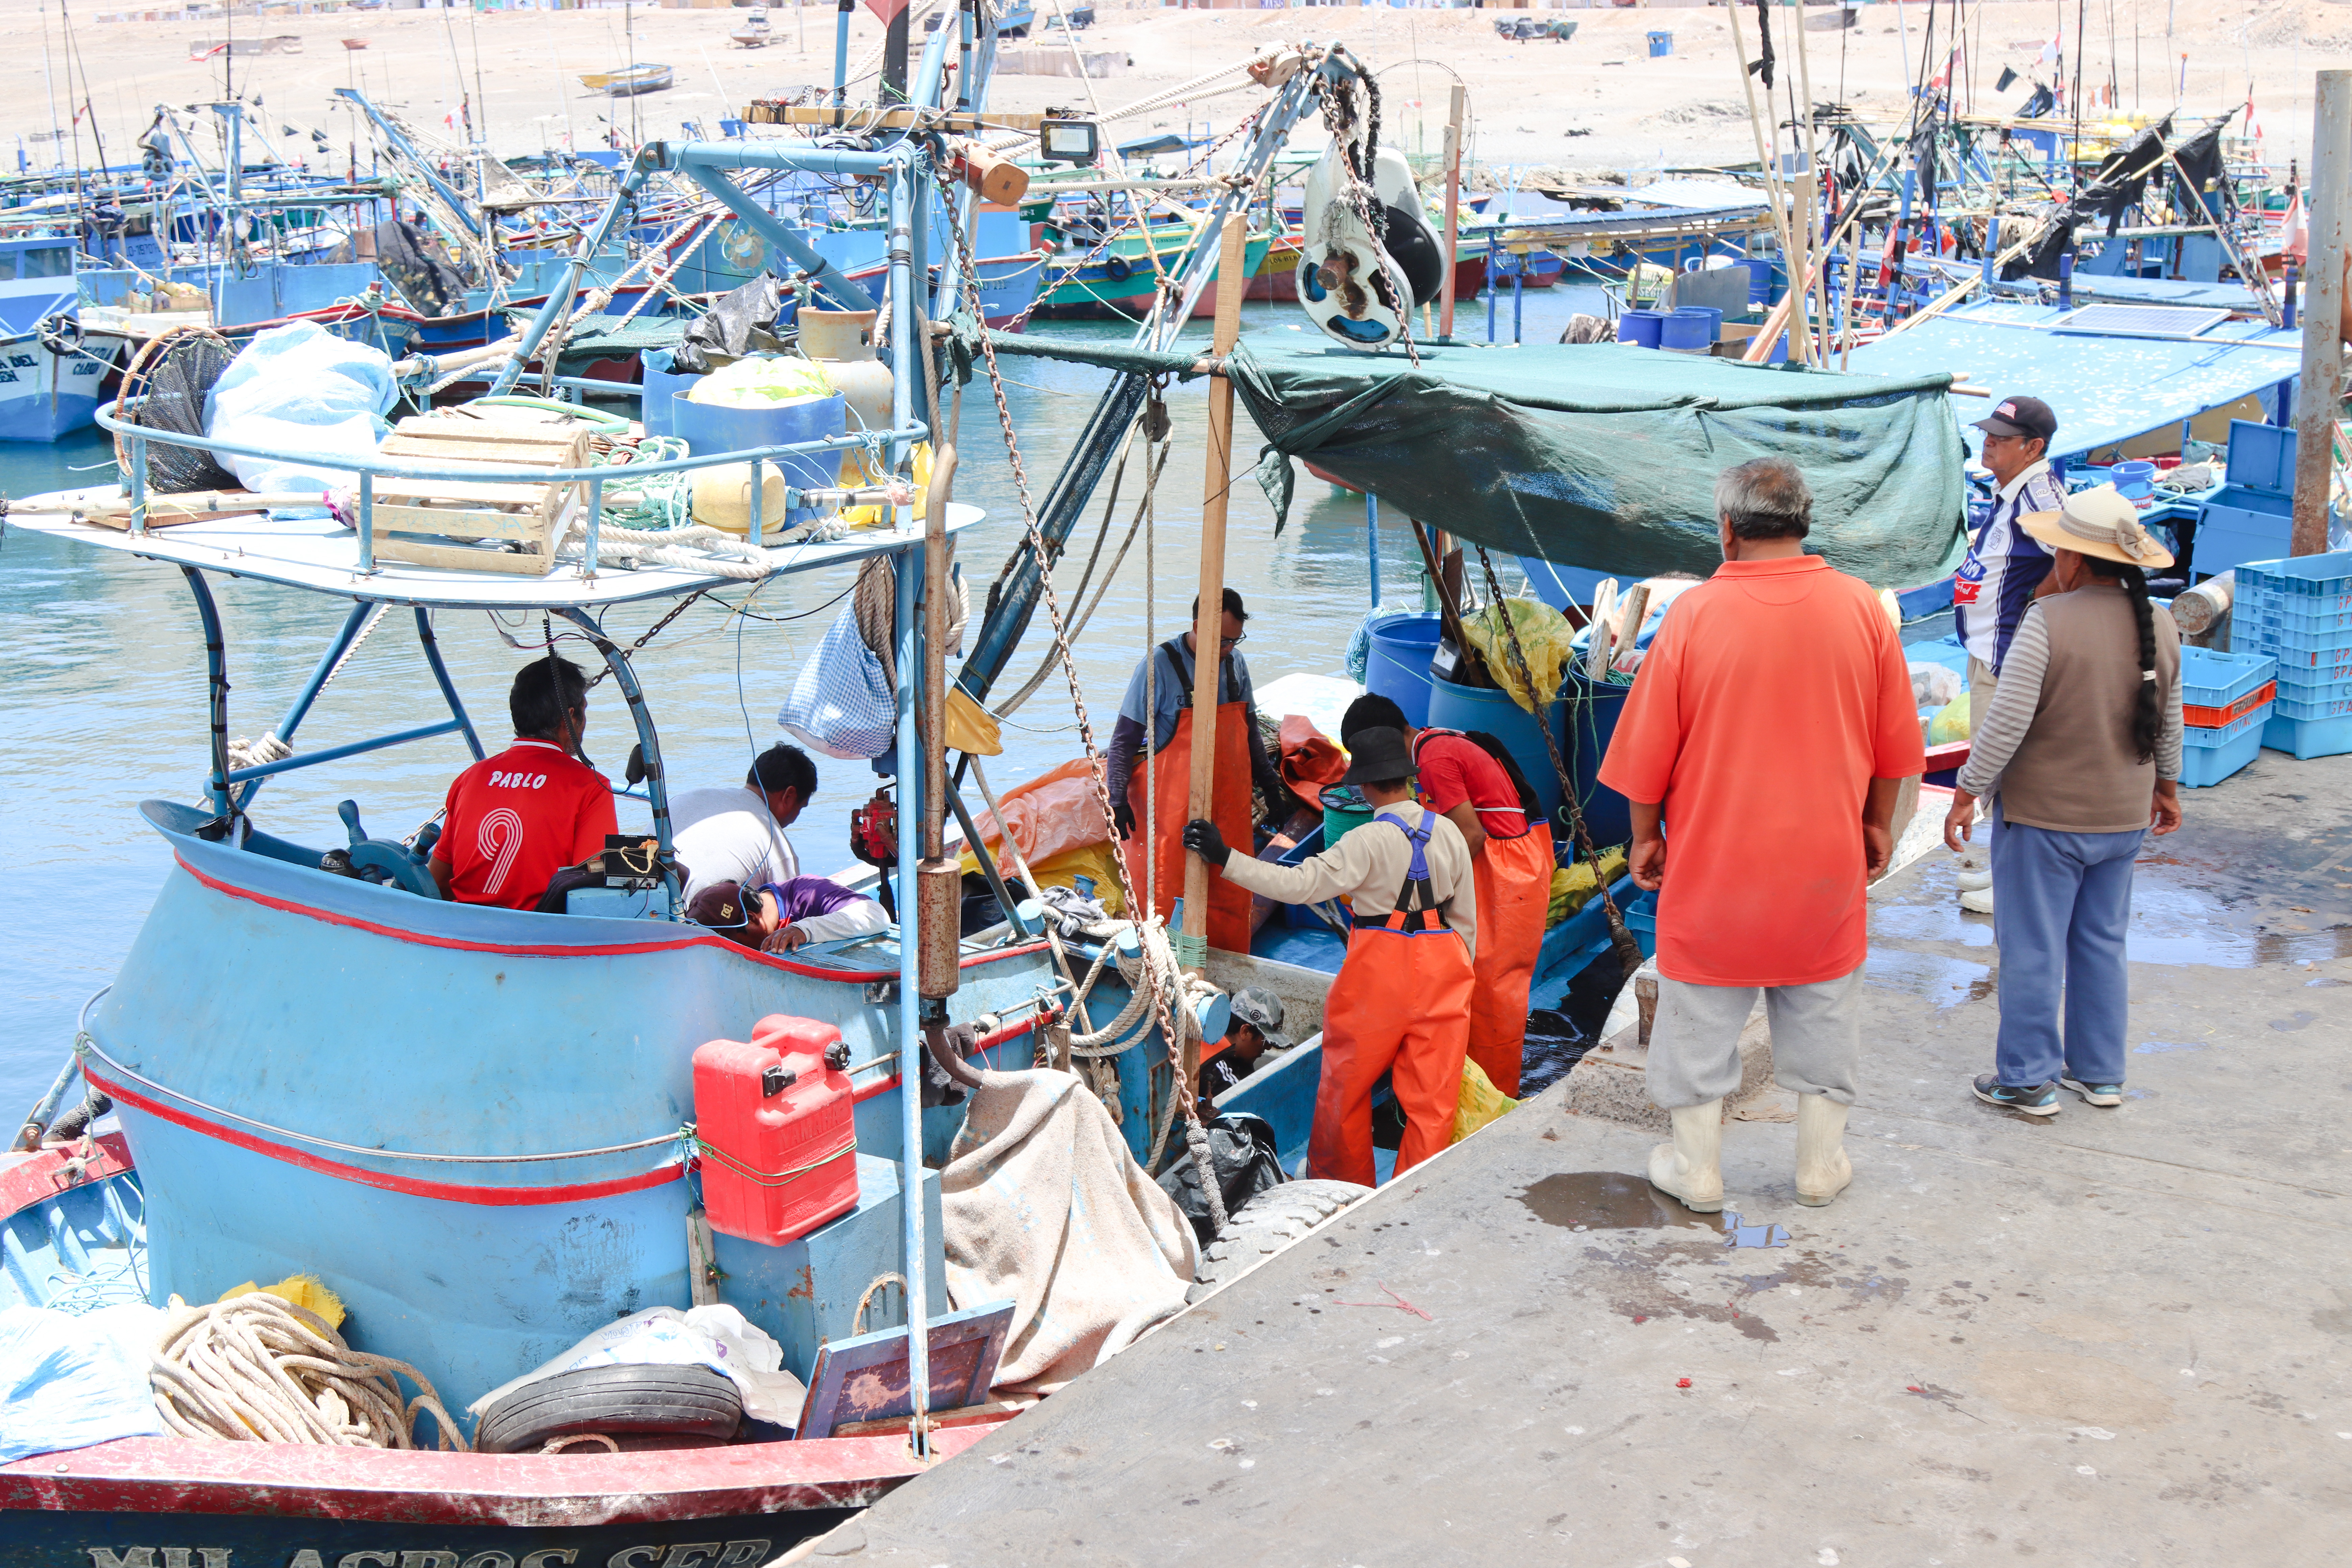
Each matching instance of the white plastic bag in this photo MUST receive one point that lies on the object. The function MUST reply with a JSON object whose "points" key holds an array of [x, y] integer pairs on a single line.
{"points": [[1933, 686], [841, 703], [300, 391], [720, 1338]]}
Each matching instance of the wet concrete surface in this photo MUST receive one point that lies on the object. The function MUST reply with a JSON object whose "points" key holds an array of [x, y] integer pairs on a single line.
{"points": [[2117, 1337]]}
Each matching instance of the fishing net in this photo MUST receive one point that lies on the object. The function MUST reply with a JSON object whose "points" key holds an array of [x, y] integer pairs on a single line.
{"points": [[164, 389]]}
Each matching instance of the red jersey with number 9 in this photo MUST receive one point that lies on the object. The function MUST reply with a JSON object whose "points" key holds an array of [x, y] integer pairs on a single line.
{"points": [[515, 819]]}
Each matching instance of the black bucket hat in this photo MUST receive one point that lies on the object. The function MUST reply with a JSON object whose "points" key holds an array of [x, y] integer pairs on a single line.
{"points": [[1377, 756]]}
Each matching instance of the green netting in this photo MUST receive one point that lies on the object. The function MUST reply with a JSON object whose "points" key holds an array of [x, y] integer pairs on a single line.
{"points": [[1598, 455]]}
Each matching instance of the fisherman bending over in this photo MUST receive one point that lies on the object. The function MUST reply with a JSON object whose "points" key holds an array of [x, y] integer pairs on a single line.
{"points": [[736, 833], [512, 821], [1241, 760], [781, 917], [1401, 1004]]}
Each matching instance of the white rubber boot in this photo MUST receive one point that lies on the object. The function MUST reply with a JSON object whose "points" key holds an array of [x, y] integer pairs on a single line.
{"points": [[1690, 1167], [1823, 1170], [1977, 900]]}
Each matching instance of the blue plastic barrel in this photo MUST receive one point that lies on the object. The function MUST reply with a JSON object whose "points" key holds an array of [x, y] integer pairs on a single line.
{"points": [[1453, 707], [1684, 331], [1640, 328], [2135, 480], [1713, 319], [661, 384], [1760, 280], [708, 430], [1589, 716], [1661, 43], [1398, 666]]}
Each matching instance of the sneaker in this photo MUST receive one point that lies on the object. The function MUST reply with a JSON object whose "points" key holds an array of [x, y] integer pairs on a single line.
{"points": [[2041, 1100], [2096, 1093]]}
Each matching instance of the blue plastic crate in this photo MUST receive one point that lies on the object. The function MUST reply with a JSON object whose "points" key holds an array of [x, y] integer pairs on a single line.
{"points": [[2335, 702], [2263, 634], [1641, 923], [2251, 516], [2210, 680], [2289, 615], [2305, 666], [2193, 737], [2311, 686], [2324, 578], [2204, 766], [2308, 738]]}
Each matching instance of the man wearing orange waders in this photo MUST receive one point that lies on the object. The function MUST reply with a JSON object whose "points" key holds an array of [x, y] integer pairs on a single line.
{"points": [[1480, 790], [1159, 704], [1401, 1004]]}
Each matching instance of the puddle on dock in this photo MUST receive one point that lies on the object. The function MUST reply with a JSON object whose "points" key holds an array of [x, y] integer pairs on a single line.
{"points": [[2170, 924], [1945, 982], [1607, 1200]]}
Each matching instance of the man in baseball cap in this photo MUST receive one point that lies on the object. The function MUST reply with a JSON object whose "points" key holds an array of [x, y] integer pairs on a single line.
{"points": [[1255, 1029], [2007, 569]]}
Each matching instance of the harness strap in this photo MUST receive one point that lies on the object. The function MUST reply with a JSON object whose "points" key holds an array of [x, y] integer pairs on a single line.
{"points": [[1418, 909]]}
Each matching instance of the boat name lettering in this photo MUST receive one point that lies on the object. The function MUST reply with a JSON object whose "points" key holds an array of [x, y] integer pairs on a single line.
{"points": [[684, 1554], [517, 781], [8, 375], [87, 367], [22, 361]]}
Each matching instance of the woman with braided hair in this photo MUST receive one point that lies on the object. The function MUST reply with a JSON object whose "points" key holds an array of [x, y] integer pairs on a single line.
{"points": [[2080, 750]]}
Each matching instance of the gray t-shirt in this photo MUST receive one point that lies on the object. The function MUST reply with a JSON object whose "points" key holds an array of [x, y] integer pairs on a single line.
{"points": [[1172, 689]]}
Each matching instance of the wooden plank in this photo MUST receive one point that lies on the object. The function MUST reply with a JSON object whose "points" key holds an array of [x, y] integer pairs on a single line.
{"points": [[467, 492], [461, 524], [464, 557], [487, 450]]}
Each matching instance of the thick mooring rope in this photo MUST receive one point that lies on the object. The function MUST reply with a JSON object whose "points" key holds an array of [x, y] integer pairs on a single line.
{"points": [[256, 1369]]}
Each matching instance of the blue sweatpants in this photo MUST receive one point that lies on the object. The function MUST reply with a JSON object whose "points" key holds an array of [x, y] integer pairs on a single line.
{"points": [[2061, 901]]}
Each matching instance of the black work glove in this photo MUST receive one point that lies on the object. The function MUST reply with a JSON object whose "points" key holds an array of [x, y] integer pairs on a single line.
{"points": [[1201, 837], [1122, 817]]}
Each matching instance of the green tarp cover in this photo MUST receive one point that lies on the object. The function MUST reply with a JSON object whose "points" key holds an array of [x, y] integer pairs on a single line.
{"points": [[1600, 456], [1606, 456]]}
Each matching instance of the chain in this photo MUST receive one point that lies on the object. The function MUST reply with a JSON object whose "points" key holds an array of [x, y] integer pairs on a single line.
{"points": [[1168, 1031], [1629, 953], [1338, 116], [652, 632]]}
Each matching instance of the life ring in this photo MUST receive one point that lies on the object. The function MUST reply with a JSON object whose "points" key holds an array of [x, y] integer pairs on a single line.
{"points": [[1118, 269]]}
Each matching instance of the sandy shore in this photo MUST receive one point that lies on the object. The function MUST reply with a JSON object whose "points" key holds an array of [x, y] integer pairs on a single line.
{"points": [[1597, 102]]}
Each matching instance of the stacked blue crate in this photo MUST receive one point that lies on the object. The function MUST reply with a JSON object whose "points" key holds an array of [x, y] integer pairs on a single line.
{"points": [[2299, 612], [2225, 702]]}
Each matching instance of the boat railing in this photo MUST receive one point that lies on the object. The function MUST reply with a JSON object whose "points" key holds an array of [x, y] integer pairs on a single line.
{"points": [[138, 437]]}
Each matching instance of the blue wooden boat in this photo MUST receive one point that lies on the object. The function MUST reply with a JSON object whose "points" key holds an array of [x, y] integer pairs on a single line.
{"points": [[51, 373]]}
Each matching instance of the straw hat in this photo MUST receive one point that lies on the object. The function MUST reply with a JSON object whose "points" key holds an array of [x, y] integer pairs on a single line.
{"points": [[2102, 523]]}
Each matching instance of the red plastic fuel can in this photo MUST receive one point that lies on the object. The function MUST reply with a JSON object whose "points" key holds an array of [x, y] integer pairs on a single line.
{"points": [[778, 1120]]}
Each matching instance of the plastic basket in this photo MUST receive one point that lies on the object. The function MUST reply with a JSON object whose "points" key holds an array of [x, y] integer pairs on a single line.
{"points": [[1641, 921], [2202, 718], [2196, 736], [2308, 738], [2201, 766], [2265, 631], [2271, 610], [2337, 706], [2311, 686], [2217, 681], [2305, 666], [2323, 582]]}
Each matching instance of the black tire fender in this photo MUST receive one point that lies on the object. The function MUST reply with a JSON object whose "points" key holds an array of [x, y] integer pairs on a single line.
{"points": [[682, 1401], [1267, 1224]]}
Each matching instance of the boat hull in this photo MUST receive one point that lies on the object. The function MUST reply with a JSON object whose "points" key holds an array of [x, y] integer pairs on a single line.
{"points": [[44, 394], [1091, 294], [275, 1026]]}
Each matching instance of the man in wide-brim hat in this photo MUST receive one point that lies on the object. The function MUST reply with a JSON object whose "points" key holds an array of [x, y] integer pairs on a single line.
{"points": [[2080, 752]]}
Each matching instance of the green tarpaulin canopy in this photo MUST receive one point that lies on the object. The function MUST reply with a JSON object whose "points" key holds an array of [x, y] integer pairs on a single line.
{"points": [[1598, 455]]}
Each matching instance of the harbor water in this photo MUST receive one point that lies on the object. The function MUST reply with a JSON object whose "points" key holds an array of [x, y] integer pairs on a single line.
{"points": [[106, 704]]}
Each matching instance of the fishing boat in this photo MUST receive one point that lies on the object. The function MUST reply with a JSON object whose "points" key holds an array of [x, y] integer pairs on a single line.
{"points": [[629, 81], [1123, 279], [51, 370], [751, 32]]}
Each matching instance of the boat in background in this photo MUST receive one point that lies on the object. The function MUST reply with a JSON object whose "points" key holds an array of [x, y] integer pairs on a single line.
{"points": [[50, 368], [629, 82], [751, 33]]}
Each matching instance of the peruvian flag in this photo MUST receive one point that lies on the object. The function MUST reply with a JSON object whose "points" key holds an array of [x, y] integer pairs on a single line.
{"points": [[2294, 230], [2254, 126], [2051, 54]]}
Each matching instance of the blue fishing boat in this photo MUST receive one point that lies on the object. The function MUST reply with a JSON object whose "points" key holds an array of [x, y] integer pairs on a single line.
{"points": [[49, 373]]}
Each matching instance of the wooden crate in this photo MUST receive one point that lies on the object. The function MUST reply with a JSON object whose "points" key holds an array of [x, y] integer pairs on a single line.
{"points": [[465, 525]]}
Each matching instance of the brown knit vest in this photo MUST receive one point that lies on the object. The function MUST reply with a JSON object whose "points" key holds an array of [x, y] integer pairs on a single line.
{"points": [[2076, 771]]}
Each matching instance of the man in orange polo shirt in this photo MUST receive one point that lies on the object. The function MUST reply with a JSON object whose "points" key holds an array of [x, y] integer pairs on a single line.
{"points": [[1761, 749]]}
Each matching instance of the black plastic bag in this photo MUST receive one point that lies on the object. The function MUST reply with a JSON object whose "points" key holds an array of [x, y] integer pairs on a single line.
{"points": [[1555, 1043], [737, 323], [1243, 1149]]}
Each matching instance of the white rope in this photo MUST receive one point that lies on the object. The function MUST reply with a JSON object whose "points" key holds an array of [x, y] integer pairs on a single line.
{"points": [[255, 1369]]}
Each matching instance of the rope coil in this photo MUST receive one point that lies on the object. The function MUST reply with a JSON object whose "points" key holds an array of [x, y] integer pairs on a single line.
{"points": [[256, 1369]]}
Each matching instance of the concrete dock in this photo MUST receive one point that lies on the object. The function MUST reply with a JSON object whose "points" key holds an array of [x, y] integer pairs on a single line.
{"points": [[2117, 1337]]}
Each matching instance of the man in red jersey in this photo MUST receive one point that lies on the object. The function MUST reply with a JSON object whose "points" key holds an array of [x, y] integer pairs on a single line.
{"points": [[517, 818]]}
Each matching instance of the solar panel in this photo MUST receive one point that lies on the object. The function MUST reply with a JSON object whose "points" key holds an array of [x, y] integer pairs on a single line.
{"points": [[2140, 321]]}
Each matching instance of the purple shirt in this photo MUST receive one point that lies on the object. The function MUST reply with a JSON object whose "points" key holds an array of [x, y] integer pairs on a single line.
{"points": [[804, 896]]}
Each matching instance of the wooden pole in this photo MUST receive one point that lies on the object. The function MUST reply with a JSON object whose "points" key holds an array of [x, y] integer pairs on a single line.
{"points": [[1209, 623], [1812, 186], [2321, 393], [1454, 119], [1783, 212]]}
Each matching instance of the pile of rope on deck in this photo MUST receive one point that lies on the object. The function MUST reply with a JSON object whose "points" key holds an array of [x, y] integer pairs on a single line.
{"points": [[257, 1369]]}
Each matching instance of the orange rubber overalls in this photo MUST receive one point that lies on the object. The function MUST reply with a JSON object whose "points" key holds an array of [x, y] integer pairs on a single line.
{"points": [[1514, 882], [1231, 808], [1401, 1005]]}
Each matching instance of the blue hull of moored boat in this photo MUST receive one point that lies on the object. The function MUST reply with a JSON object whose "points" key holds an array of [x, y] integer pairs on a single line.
{"points": [[317, 1074]]}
